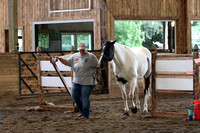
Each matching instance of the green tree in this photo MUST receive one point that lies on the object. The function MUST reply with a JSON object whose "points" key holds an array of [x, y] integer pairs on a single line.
{"points": [[153, 31], [139, 33], [129, 33], [196, 33]]}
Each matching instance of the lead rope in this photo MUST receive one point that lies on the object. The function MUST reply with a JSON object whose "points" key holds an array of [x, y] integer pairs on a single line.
{"points": [[95, 77]]}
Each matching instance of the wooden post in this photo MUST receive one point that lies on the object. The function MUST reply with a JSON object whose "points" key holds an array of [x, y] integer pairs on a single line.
{"points": [[195, 74], [153, 80], [75, 108], [41, 93], [13, 24], [60, 75], [72, 52]]}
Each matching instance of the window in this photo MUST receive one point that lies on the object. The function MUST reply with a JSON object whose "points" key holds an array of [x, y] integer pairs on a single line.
{"points": [[146, 33], [43, 41], [61, 36], [74, 39]]}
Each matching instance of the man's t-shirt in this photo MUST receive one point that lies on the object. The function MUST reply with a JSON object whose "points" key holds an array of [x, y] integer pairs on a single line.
{"points": [[83, 67]]}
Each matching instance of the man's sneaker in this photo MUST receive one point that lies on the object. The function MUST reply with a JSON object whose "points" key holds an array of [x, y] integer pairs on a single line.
{"points": [[81, 117]]}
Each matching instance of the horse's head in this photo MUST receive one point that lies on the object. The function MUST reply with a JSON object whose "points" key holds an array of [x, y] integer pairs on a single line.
{"points": [[107, 53]]}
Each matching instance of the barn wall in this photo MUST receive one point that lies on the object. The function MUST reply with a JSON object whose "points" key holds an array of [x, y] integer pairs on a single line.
{"points": [[183, 11], [9, 75], [144, 9], [30, 11], [3, 22], [180, 10], [38, 10], [194, 10]]}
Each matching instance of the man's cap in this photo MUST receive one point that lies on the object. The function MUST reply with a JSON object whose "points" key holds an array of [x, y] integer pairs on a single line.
{"points": [[82, 46]]}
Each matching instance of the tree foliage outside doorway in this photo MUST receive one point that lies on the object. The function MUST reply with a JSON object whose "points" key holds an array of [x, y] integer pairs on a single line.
{"points": [[139, 33], [129, 33], [195, 33]]}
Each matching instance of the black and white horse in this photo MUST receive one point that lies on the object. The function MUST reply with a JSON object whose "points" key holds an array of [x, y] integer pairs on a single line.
{"points": [[129, 65]]}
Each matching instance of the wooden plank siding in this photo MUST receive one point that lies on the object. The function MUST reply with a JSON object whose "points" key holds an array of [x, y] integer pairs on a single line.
{"points": [[144, 9], [3, 23], [182, 11], [9, 75], [30, 11]]}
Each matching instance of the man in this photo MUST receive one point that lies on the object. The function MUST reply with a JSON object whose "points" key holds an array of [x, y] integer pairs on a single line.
{"points": [[83, 64]]}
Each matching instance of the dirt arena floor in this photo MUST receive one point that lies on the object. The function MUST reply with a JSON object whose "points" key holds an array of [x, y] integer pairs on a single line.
{"points": [[106, 116]]}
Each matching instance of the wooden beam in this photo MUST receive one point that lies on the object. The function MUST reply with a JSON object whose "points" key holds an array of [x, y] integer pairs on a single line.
{"points": [[174, 74], [53, 73], [39, 85], [13, 24], [153, 80], [60, 75], [59, 108], [175, 55], [54, 89], [195, 74]]}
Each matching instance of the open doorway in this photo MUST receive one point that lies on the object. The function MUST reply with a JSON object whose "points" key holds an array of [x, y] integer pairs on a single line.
{"points": [[195, 33], [6, 40], [20, 45], [147, 33]]}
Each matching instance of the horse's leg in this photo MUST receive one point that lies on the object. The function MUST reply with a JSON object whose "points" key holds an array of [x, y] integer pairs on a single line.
{"points": [[133, 85], [137, 97], [125, 98], [146, 93]]}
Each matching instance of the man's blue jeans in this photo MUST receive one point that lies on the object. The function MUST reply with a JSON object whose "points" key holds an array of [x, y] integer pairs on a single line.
{"points": [[81, 96]]}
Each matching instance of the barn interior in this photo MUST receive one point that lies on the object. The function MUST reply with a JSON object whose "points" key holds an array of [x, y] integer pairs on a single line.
{"points": [[56, 25]]}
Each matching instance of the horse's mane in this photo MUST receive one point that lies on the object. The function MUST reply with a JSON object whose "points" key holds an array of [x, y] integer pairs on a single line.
{"points": [[120, 47]]}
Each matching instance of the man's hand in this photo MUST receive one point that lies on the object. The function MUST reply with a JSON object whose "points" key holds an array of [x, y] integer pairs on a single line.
{"points": [[52, 59], [61, 59]]}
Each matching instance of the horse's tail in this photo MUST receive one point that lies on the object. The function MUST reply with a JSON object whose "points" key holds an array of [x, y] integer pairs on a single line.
{"points": [[147, 79], [147, 83]]}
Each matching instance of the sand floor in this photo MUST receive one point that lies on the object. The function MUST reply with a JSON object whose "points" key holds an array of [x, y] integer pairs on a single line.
{"points": [[106, 116]]}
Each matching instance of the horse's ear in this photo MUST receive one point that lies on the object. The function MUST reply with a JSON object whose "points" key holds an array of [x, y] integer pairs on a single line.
{"points": [[114, 41], [102, 41]]}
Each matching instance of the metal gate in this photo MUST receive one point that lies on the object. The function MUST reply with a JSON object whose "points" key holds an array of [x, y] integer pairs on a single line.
{"points": [[28, 85]]}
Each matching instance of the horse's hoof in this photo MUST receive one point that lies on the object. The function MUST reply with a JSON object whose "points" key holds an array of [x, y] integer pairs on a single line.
{"points": [[126, 114], [134, 110], [145, 111]]}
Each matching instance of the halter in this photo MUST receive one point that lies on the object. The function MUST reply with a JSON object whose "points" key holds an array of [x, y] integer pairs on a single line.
{"points": [[107, 54], [104, 56], [112, 54]]}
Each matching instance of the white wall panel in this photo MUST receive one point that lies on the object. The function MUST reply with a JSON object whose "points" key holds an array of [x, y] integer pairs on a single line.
{"points": [[174, 65], [174, 84], [47, 66], [55, 81]]}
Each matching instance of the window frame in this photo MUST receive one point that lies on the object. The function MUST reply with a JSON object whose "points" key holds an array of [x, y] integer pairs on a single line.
{"points": [[91, 46], [59, 22]]}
